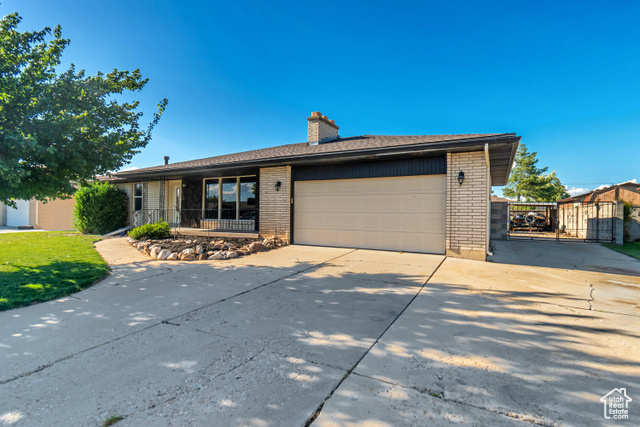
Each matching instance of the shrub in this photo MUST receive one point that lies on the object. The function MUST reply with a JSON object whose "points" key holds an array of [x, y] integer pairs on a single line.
{"points": [[157, 230], [100, 208], [628, 209]]}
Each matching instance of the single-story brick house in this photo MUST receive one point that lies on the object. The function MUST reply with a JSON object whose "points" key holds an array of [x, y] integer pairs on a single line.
{"points": [[418, 193]]}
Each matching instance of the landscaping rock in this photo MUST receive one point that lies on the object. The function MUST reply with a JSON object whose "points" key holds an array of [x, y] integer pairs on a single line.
{"points": [[155, 250], [256, 246], [164, 254], [203, 248]]}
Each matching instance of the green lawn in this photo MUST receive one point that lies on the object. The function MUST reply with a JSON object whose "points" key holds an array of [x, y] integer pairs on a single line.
{"points": [[629, 248], [40, 266]]}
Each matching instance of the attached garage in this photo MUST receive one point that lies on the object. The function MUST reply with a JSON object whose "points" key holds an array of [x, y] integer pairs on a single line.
{"points": [[18, 216], [404, 213]]}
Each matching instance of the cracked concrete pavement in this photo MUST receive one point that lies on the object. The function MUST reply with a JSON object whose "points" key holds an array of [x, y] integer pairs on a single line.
{"points": [[331, 337]]}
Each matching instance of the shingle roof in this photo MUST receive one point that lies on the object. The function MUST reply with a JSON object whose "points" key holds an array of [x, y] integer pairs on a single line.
{"points": [[341, 145], [591, 194]]}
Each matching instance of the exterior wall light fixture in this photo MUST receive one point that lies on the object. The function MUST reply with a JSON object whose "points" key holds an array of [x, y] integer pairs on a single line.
{"points": [[278, 185], [460, 177]]}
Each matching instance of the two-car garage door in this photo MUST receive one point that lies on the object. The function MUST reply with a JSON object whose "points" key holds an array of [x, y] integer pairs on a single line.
{"points": [[399, 213]]}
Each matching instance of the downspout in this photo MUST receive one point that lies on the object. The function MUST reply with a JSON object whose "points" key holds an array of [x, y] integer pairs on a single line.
{"points": [[488, 229]]}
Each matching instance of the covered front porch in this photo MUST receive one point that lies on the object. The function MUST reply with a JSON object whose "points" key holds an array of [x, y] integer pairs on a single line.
{"points": [[198, 205], [201, 222]]}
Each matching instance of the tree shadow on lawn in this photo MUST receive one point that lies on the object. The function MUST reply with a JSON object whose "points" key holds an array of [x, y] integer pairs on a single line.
{"points": [[27, 284]]}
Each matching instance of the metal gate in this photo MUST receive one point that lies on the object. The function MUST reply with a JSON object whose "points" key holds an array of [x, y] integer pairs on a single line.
{"points": [[577, 222]]}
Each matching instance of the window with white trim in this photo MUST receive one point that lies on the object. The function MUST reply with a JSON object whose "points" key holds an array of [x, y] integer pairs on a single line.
{"points": [[137, 196]]}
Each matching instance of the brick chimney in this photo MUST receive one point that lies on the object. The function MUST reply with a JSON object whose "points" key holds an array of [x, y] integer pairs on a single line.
{"points": [[321, 129]]}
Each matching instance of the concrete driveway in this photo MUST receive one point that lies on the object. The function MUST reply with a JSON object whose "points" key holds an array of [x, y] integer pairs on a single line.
{"points": [[331, 337]]}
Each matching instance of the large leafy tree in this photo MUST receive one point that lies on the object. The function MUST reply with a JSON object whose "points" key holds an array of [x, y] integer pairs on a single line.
{"points": [[529, 183], [56, 128]]}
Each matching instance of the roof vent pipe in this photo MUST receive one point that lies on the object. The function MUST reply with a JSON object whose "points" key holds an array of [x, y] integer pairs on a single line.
{"points": [[166, 160]]}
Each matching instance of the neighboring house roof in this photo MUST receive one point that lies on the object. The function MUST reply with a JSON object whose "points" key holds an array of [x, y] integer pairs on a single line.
{"points": [[502, 149], [499, 199], [591, 195]]}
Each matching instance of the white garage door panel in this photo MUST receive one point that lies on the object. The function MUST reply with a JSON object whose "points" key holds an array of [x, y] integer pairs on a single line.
{"points": [[19, 216], [399, 213]]}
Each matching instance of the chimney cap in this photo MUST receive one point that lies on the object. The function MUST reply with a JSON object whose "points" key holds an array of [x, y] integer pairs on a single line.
{"points": [[316, 114], [166, 160]]}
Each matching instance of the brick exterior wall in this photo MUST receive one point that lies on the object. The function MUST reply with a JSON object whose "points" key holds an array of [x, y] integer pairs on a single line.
{"points": [[275, 206], [321, 129], [468, 205], [128, 190], [153, 194], [499, 220]]}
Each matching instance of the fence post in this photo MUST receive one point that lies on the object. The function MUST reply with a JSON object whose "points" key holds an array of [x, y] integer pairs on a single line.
{"points": [[618, 228]]}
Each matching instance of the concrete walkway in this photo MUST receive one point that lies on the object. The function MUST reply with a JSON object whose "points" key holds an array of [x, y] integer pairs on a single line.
{"points": [[329, 337], [10, 229]]}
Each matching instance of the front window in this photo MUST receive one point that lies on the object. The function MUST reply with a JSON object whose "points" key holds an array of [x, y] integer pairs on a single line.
{"points": [[211, 198], [232, 198], [137, 197], [248, 187], [229, 198]]}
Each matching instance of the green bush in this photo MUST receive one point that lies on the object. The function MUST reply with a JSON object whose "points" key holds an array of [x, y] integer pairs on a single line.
{"points": [[158, 230], [100, 208], [628, 209]]}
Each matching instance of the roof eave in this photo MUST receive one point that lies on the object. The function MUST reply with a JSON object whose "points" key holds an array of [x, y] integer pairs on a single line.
{"points": [[470, 144]]}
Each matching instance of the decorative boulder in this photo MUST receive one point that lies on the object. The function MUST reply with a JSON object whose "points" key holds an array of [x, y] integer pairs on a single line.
{"points": [[232, 254], [155, 250], [174, 256], [217, 255], [187, 256], [256, 246], [164, 254], [189, 251], [244, 250], [202, 256], [199, 249]]}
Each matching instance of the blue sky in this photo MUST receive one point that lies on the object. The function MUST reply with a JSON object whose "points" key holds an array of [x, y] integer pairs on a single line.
{"points": [[241, 75]]}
